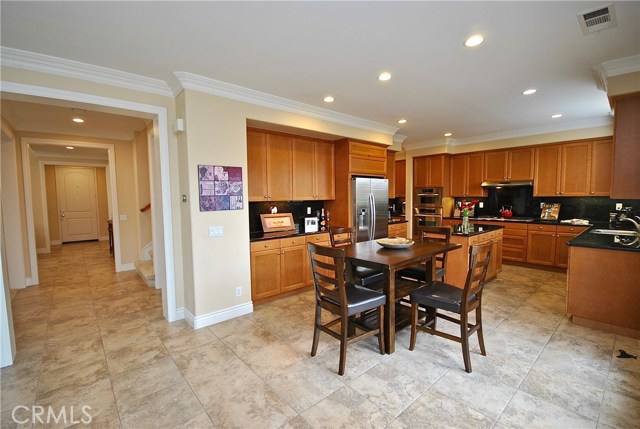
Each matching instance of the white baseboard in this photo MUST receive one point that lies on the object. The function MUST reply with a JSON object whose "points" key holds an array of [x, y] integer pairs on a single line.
{"points": [[180, 313], [198, 322], [128, 267]]}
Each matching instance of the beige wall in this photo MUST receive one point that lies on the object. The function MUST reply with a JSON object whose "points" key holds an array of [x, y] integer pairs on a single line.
{"points": [[52, 203]]}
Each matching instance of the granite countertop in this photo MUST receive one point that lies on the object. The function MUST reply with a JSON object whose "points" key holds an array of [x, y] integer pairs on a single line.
{"points": [[602, 241], [519, 220], [474, 230]]}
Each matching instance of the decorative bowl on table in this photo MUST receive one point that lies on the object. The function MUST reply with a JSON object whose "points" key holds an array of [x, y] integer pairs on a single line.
{"points": [[395, 243]]}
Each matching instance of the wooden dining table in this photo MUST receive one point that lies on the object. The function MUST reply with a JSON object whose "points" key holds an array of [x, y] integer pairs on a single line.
{"points": [[372, 255]]}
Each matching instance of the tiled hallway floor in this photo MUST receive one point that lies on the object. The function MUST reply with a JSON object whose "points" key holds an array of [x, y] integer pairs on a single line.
{"points": [[89, 336]]}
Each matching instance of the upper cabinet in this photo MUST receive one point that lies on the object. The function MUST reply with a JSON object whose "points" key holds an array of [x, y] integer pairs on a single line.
{"points": [[431, 171], [268, 166], [627, 150], [400, 178], [366, 158], [391, 173], [573, 169], [509, 165], [466, 174], [313, 169]]}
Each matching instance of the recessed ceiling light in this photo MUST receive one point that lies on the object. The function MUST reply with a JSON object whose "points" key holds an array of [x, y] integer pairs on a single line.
{"points": [[329, 99], [384, 76], [78, 119], [402, 121], [69, 147], [78, 115], [529, 91], [556, 116], [448, 134], [474, 40]]}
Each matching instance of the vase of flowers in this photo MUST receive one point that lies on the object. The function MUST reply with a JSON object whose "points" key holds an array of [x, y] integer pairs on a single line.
{"points": [[466, 208]]}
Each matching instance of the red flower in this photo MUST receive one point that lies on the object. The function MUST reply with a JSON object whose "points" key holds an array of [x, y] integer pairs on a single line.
{"points": [[464, 205]]}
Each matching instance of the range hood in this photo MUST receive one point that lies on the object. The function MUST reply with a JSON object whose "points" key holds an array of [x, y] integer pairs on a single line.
{"points": [[507, 184]]}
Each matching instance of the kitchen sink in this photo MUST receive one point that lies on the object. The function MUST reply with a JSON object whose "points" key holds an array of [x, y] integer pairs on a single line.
{"points": [[614, 232]]}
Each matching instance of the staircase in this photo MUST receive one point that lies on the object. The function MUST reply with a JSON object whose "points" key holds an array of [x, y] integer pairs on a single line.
{"points": [[144, 267]]}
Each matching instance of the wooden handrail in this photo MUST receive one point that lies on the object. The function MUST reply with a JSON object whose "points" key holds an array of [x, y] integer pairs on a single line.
{"points": [[146, 208]]}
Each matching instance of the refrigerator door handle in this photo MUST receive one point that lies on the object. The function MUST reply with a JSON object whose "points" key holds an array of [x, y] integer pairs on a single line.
{"points": [[372, 203]]}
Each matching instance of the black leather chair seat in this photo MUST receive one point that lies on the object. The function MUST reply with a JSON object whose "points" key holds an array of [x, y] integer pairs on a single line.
{"points": [[440, 295], [366, 276], [360, 299], [420, 273]]}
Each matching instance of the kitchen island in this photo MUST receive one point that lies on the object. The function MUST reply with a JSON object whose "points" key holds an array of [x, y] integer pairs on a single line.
{"points": [[458, 260], [603, 283]]}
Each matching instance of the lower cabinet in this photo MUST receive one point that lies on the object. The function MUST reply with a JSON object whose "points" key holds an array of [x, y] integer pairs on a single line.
{"points": [[398, 230], [281, 265], [458, 260], [547, 244]]}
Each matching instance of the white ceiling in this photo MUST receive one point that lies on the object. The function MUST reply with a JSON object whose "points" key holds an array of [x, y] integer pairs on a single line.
{"points": [[303, 51]]}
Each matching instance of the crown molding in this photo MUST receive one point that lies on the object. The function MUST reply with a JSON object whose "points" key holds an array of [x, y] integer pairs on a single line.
{"points": [[621, 66], [74, 69], [186, 80], [528, 132]]}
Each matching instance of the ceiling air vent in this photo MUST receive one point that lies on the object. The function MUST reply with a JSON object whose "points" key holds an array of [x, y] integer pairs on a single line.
{"points": [[598, 19]]}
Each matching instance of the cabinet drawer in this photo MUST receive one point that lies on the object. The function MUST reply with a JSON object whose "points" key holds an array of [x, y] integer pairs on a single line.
{"points": [[367, 150], [363, 164], [292, 241], [515, 233], [258, 246], [514, 226], [562, 229], [318, 238], [546, 228]]}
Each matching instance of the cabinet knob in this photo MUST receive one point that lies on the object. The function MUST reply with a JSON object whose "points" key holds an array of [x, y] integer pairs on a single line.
{"points": [[266, 245]]}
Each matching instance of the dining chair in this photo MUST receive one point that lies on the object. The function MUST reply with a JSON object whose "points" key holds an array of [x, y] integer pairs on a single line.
{"points": [[419, 272], [437, 295], [362, 276], [334, 294]]}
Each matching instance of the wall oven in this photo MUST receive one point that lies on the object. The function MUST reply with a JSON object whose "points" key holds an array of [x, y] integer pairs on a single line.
{"points": [[427, 216], [427, 197]]}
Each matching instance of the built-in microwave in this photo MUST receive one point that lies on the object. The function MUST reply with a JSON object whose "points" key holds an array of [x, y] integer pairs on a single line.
{"points": [[427, 197]]}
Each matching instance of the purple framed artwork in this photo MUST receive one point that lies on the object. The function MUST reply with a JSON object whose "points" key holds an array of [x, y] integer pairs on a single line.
{"points": [[220, 188]]}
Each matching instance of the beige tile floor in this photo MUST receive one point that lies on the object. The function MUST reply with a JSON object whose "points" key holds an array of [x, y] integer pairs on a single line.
{"points": [[89, 336]]}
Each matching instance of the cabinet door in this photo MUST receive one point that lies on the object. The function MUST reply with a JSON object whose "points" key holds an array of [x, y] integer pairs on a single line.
{"points": [[576, 165], [400, 179], [279, 167], [601, 168], [458, 175], [626, 154], [520, 164], [474, 175], [436, 171], [495, 166], [546, 180], [391, 173], [293, 267], [541, 247], [325, 178], [265, 274], [303, 166], [562, 250], [420, 172], [257, 165]]}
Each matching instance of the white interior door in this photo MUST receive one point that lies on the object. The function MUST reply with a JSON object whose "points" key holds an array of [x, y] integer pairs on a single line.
{"points": [[77, 205]]}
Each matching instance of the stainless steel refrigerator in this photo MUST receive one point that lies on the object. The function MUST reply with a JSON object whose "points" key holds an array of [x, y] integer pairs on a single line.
{"points": [[370, 207]]}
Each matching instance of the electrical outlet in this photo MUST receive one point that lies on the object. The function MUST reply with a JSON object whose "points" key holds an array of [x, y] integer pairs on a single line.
{"points": [[308, 210], [618, 206], [480, 205], [238, 291], [216, 231]]}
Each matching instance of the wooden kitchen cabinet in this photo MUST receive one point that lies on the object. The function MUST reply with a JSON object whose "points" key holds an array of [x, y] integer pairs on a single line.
{"points": [[514, 240], [431, 171], [601, 176], [563, 235], [509, 165], [281, 265], [466, 174], [366, 158], [391, 173], [541, 244], [397, 230], [626, 149], [575, 169], [269, 165], [458, 260], [400, 178], [313, 169]]}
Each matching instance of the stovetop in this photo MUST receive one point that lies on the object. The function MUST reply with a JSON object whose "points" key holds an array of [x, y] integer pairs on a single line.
{"points": [[511, 219]]}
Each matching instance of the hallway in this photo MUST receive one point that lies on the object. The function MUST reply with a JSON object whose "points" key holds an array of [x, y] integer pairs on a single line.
{"points": [[89, 336]]}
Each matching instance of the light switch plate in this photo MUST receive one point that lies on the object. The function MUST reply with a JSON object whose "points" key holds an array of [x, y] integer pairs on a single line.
{"points": [[123, 218], [216, 231]]}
